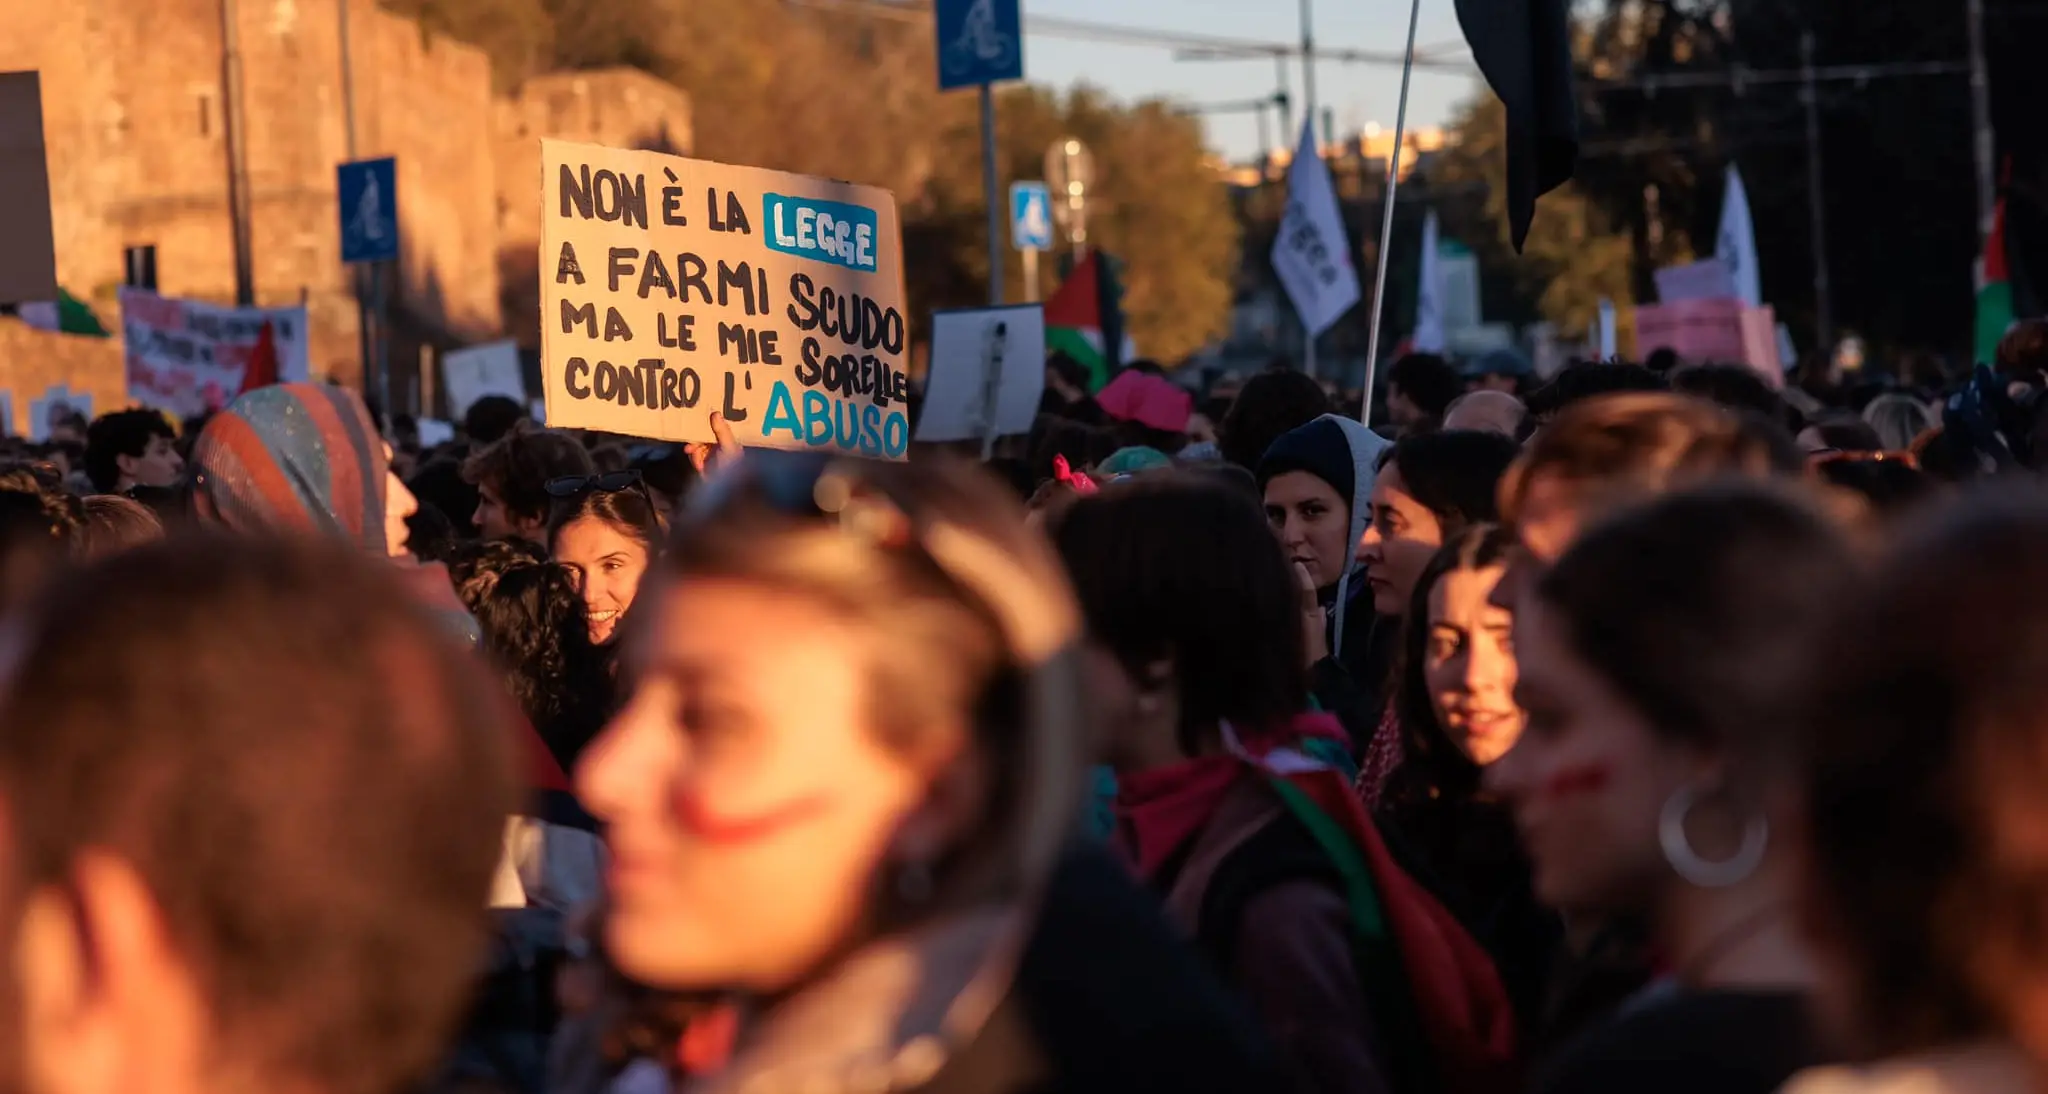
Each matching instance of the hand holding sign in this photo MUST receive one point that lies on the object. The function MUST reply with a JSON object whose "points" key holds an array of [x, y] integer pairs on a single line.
{"points": [[721, 454]]}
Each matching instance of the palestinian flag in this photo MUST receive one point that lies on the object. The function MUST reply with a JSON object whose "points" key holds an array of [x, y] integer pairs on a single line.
{"points": [[66, 315], [1994, 290], [1084, 319]]}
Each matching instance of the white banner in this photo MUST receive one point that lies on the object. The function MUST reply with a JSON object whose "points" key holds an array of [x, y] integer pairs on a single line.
{"points": [[473, 372], [1735, 245], [1312, 255], [186, 357], [987, 373], [1429, 295]]}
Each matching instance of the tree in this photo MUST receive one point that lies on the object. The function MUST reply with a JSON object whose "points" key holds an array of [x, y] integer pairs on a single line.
{"points": [[1576, 254]]}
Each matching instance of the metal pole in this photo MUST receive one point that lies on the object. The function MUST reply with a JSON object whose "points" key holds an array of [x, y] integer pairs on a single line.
{"points": [[988, 190], [1308, 67], [1282, 97], [1985, 143], [238, 179], [365, 348], [1379, 280], [1816, 199], [1030, 258], [380, 289]]}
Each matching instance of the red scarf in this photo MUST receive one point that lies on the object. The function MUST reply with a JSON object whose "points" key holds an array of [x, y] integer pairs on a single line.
{"points": [[1160, 810]]}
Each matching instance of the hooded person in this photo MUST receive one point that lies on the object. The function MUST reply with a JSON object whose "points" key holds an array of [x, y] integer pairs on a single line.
{"points": [[307, 460], [1316, 482]]}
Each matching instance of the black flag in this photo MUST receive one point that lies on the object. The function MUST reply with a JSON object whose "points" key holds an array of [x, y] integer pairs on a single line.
{"points": [[1524, 49]]}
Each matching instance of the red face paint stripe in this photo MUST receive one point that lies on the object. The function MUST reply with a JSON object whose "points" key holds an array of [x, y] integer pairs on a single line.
{"points": [[1574, 781], [705, 825]]}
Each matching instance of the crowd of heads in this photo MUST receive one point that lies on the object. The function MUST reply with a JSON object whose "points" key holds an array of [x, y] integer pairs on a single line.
{"points": [[1659, 673]]}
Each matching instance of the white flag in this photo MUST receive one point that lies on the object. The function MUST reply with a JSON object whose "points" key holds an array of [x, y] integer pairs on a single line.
{"points": [[1736, 244], [1311, 253], [1429, 294]]}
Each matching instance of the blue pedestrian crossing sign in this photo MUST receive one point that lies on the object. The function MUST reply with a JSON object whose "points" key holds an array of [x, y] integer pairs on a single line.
{"points": [[980, 42], [1031, 216], [369, 209]]}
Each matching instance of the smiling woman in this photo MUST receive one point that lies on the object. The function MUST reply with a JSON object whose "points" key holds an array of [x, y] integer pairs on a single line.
{"points": [[605, 529]]}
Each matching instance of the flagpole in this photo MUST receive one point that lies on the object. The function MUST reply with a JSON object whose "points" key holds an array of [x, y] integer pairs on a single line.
{"points": [[1379, 281]]}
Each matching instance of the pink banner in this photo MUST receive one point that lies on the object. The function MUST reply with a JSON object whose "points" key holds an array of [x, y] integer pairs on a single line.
{"points": [[1713, 332]]}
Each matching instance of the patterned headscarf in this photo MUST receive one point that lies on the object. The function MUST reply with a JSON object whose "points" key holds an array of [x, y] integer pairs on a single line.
{"points": [[307, 458], [294, 457]]}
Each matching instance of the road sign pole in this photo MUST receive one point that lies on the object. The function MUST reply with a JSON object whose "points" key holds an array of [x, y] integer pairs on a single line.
{"points": [[988, 189], [1030, 256]]}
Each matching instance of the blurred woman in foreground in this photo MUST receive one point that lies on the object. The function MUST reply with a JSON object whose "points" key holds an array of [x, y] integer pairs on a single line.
{"points": [[840, 796], [1660, 664], [1928, 885]]}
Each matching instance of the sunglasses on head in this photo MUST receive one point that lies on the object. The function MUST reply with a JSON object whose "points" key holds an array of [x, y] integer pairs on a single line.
{"points": [[575, 486], [844, 492]]}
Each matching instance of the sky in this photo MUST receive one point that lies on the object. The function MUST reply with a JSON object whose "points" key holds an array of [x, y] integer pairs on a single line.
{"points": [[1359, 94]]}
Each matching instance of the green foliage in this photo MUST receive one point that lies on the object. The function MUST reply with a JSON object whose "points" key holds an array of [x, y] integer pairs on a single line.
{"points": [[852, 96]]}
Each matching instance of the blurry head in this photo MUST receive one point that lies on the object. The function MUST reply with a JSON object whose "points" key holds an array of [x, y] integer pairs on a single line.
{"points": [[849, 673], [1430, 487], [1420, 387], [1586, 380], [1270, 404], [1605, 452], [1316, 482], [1170, 660], [1899, 419], [1923, 807], [1737, 387], [40, 528], [511, 478], [488, 419], [1489, 411], [131, 448], [1839, 434], [113, 524], [1660, 662], [1457, 676], [604, 530], [1883, 489], [438, 483], [260, 861], [2022, 355], [296, 458]]}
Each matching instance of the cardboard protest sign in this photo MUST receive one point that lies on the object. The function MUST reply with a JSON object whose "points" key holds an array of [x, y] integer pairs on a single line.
{"points": [[473, 372], [672, 288], [962, 399], [28, 261], [1713, 331], [186, 357]]}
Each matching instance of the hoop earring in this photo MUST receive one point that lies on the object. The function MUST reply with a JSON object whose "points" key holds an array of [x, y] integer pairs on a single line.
{"points": [[1687, 863]]}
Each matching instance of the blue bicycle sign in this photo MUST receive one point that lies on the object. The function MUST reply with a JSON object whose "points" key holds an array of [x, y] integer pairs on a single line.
{"points": [[980, 42]]}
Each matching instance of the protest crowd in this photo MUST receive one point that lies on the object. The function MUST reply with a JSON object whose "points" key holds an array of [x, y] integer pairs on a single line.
{"points": [[1644, 728]]}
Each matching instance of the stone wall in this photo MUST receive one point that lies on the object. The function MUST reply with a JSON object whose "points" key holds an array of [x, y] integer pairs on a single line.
{"points": [[133, 115], [34, 361], [621, 107]]}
